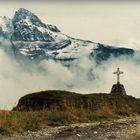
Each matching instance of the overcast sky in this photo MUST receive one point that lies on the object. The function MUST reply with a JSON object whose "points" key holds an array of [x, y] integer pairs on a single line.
{"points": [[114, 23]]}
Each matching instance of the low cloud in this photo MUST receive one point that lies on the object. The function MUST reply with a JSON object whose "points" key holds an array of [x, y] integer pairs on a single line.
{"points": [[84, 76]]}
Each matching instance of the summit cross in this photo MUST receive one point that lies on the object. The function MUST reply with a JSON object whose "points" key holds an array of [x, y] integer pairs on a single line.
{"points": [[118, 72]]}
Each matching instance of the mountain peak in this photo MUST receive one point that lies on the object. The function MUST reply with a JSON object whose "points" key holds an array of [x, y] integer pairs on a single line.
{"points": [[23, 15], [28, 27], [23, 10]]}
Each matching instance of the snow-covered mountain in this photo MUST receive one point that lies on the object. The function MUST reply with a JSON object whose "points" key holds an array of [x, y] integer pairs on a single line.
{"points": [[6, 28], [33, 39]]}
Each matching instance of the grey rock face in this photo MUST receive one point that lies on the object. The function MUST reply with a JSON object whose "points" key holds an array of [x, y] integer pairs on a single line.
{"points": [[26, 27]]}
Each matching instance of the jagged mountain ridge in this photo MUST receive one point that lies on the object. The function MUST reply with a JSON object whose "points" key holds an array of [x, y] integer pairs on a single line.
{"points": [[33, 39]]}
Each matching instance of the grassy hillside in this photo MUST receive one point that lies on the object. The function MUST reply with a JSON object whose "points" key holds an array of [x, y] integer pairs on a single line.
{"points": [[64, 100], [52, 108]]}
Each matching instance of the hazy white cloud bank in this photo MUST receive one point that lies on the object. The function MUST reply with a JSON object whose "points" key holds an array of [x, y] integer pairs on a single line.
{"points": [[84, 77]]}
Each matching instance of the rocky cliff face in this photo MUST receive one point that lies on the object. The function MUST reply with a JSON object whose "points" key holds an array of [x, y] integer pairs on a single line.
{"points": [[28, 27]]}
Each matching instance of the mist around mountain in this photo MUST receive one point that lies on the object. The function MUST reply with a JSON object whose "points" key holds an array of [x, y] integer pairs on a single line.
{"points": [[36, 56]]}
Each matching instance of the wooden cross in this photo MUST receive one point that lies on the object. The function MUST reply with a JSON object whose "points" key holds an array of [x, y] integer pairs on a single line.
{"points": [[118, 72]]}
